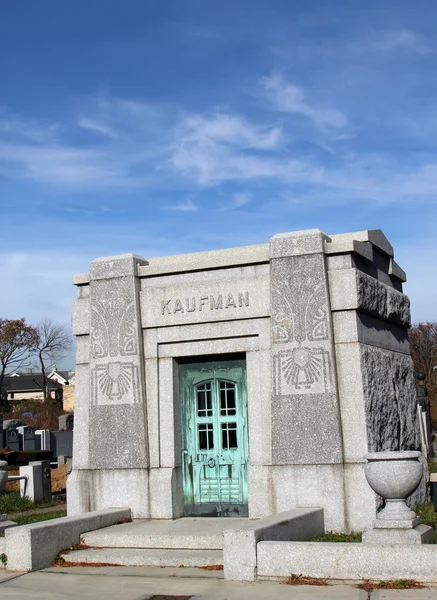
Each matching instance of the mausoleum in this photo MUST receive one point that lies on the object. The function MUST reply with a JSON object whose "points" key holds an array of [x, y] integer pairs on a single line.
{"points": [[242, 382]]}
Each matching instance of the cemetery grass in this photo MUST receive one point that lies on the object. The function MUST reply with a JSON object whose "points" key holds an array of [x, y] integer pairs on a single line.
{"points": [[27, 519], [331, 536], [11, 502]]}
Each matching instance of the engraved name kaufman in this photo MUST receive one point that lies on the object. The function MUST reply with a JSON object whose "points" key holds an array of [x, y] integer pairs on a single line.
{"points": [[204, 303]]}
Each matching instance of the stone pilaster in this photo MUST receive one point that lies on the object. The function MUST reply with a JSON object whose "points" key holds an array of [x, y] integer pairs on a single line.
{"points": [[305, 408], [117, 412]]}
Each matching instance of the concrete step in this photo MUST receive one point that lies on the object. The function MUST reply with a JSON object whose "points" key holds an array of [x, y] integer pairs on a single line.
{"points": [[181, 534], [145, 557]]}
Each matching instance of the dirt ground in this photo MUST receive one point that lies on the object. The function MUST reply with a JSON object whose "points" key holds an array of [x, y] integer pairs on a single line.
{"points": [[59, 480]]}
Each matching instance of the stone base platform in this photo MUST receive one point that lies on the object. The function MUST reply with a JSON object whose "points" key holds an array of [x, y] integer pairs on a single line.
{"points": [[400, 531]]}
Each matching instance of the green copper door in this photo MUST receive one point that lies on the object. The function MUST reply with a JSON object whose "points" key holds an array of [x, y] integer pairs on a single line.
{"points": [[214, 438]]}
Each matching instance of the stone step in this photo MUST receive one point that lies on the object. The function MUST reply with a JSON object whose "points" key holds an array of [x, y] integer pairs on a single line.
{"points": [[179, 534], [146, 557]]}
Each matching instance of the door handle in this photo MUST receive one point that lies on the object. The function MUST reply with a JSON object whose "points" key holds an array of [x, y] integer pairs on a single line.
{"points": [[211, 463], [184, 451]]}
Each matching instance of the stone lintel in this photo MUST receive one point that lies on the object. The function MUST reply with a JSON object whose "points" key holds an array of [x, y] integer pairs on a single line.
{"points": [[205, 261]]}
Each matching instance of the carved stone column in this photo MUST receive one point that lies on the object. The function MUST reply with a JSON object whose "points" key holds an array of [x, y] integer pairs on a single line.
{"points": [[305, 408], [117, 417]]}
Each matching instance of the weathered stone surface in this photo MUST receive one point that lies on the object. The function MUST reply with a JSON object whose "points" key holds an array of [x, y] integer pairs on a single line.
{"points": [[239, 543], [421, 534], [390, 400], [304, 395], [35, 546], [298, 243], [351, 289], [379, 299], [347, 561], [211, 259]]}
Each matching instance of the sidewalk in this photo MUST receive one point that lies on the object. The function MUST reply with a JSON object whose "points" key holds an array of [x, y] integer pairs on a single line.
{"points": [[141, 583]]}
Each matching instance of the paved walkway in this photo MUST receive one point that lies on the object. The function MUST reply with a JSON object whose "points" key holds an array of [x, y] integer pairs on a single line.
{"points": [[142, 583]]}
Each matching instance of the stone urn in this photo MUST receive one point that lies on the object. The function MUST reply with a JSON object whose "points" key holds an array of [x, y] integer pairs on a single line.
{"points": [[3, 475], [394, 476]]}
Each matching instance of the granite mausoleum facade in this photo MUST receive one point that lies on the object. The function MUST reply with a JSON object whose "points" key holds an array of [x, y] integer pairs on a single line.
{"points": [[245, 381]]}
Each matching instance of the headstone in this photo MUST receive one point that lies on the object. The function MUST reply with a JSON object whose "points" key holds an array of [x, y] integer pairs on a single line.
{"points": [[12, 439], [28, 438], [66, 422], [61, 442]]}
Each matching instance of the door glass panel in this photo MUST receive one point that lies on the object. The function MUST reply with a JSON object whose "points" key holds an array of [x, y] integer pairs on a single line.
{"points": [[206, 436], [227, 398], [204, 400], [229, 436]]}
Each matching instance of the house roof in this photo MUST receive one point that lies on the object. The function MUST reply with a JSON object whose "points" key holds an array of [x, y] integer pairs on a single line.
{"points": [[28, 383], [65, 375]]}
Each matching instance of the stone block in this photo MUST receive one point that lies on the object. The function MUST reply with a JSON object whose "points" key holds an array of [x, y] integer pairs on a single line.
{"points": [[298, 243], [80, 316], [82, 349], [354, 290], [346, 561], [350, 246], [114, 267], [5, 524], [294, 486], [205, 297], [374, 236], [421, 534], [90, 490], [35, 546], [389, 388], [239, 545], [199, 261]]}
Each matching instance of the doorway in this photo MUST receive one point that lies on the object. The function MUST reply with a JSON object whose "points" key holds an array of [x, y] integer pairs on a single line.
{"points": [[214, 436]]}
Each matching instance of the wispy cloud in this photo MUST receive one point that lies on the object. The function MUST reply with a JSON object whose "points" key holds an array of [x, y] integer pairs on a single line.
{"points": [[97, 127], [239, 200], [287, 97], [187, 206], [227, 128], [401, 39]]}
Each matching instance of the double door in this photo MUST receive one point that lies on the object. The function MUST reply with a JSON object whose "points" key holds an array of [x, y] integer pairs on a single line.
{"points": [[214, 438]]}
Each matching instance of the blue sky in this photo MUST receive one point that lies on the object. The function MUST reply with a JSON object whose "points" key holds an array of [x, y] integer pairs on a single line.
{"points": [[162, 127]]}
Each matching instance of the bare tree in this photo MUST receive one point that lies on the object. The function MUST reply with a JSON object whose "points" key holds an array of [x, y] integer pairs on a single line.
{"points": [[423, 347], [54, 342], [17, 341]]}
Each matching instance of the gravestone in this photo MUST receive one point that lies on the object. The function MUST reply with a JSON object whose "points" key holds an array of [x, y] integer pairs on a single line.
{"points": [[28, 438], [13, 439], [61, 443]]}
